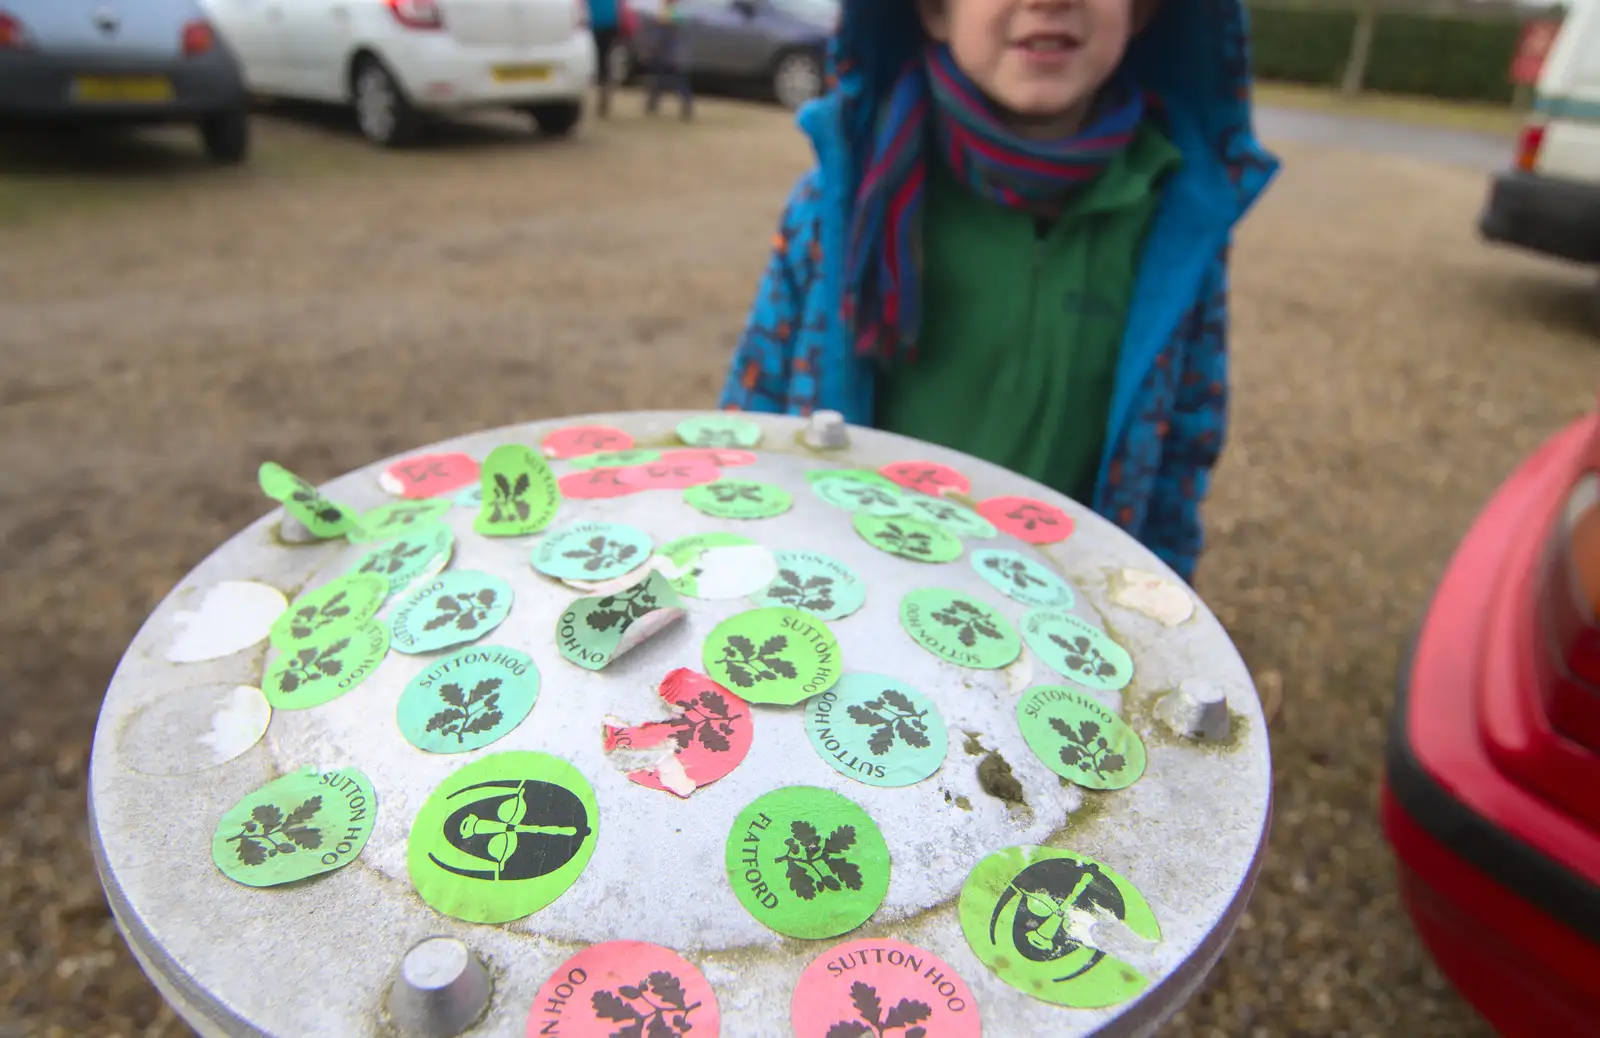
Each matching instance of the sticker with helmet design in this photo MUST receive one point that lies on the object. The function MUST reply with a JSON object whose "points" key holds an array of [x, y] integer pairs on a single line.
{"points": [[1058, 926], [503, 837]]}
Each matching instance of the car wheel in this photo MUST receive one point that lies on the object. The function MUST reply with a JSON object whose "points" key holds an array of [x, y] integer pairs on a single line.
{"points": [[226, 137], [558, 119], [796, 79], [619, 64], [383, 114]]}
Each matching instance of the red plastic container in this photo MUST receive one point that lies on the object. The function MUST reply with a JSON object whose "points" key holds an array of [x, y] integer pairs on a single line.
{"points": [[1491, 796]]}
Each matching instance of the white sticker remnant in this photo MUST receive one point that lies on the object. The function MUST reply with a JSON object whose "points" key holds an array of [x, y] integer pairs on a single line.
{"points": [[238, 724], [1153, 596], [734, 572], [233, 616]]}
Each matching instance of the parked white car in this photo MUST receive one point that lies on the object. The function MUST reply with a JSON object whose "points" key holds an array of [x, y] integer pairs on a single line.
{"points": [[395, 62], [1549, 201]]}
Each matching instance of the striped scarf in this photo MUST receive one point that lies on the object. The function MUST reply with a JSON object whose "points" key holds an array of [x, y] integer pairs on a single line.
{"points": [[884, 304]]}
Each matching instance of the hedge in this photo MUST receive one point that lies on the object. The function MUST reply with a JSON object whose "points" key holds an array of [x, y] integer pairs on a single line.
{"points": [[1432, 55]]}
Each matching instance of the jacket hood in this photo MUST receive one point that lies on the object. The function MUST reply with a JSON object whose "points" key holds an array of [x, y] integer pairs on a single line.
{"points": [[1194, 55]]}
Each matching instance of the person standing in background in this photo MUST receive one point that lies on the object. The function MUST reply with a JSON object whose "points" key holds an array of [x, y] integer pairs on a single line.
{"points": [[605, 20], [670, 60]]}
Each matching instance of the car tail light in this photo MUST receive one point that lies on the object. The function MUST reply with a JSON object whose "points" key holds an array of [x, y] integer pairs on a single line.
{"points": [[1528, 146], [13, 34], [417, 14], [198, 38], [1568, 610]]}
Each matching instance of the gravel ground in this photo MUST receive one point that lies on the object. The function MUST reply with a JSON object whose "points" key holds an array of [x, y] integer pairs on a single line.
{"points": [[343, 305]]}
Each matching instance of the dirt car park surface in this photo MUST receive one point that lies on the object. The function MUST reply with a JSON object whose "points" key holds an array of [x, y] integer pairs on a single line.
{"points": [[165, 327]]}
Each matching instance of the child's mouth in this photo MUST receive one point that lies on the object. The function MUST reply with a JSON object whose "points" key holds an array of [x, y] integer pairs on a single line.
{"points": [[1046, 47]]}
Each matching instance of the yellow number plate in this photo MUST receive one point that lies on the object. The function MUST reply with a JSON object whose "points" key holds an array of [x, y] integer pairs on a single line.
{"points": [[521, 73], [135, 89]]}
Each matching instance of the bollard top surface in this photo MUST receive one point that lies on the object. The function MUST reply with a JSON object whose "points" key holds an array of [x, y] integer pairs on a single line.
{"points": [[180, 744]]}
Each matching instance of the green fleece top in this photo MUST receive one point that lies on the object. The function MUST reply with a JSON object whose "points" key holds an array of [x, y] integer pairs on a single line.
{"points": [[1023, 320]]}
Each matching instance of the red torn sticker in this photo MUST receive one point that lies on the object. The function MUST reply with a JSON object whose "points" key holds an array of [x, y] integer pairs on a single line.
{"points": [[872, 987], [429, 475], [721, 457], [594, 484], [1027, 520], [578, 440], [663, 475], [625, 988], [928, 477], [707, 736]]}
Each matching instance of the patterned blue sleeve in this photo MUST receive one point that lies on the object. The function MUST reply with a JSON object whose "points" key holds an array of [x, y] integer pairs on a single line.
{"points": [[766, 363], [1194, 435]]}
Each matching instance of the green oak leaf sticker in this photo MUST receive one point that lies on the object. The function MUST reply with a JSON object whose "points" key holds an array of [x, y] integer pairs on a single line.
{"points": [[774, 655], [960, 629], [452, 609], [312, 673], [594, 632], [859, 475], [907, 538], [1077, 650], [1022, 579], [877, 730], [295, 827], [719, 431], [403, 561], [324, 518], [1079, 739], [815, 583], [592, 551], [397, 519], [947, 515], [807, 862], [503, 837], [341, 606], [469, 700], [1031, 915], [520, 493], [852, 493], [614, 459], [738, 499]]}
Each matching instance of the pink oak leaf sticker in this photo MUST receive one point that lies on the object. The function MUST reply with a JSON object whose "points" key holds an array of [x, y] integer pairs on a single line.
{"points": [[429, 475], [594, 485], [578, 440], [927, 477], [1027, 519], [707, 736], [721, 457]]}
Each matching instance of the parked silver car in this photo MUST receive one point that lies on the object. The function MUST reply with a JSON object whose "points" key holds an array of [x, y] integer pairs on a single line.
{"points": [[778, 45], [123, 61]]}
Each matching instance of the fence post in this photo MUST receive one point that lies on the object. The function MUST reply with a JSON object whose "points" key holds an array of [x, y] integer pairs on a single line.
{"points": [[1355, 70]]}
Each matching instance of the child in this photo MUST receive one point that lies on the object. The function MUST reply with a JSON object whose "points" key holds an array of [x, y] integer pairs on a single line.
{"points": [[1015, 244], [671, 61]]}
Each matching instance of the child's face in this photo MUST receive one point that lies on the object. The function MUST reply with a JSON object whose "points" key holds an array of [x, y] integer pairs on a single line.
{"points": [[1042, 60]]}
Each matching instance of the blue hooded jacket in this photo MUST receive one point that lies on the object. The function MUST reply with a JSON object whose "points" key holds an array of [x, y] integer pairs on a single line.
{"points": [[1168, 413]]}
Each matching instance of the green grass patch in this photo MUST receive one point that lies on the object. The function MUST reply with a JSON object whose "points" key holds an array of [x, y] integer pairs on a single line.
{"points": [[1501, 120]]}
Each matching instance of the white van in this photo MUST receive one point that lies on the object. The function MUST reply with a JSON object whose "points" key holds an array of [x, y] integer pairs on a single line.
{"points": [[1549, 202], [396, 61]]}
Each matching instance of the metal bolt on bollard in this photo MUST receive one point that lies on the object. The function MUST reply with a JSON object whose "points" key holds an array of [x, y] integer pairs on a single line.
{"points": [[828, 431], [1197, 710], [441, 989]]}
